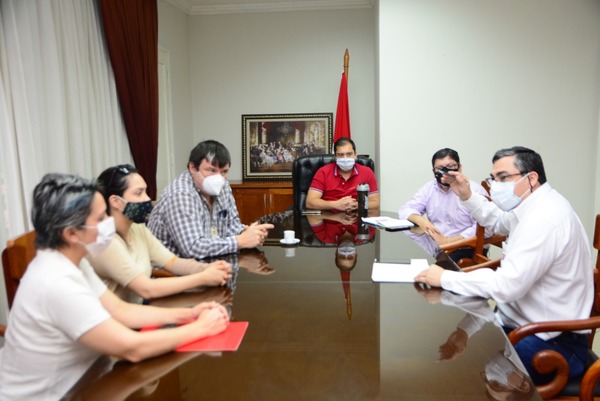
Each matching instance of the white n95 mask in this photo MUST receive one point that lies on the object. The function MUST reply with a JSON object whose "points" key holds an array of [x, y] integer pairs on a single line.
{"points": [[213, 184]]}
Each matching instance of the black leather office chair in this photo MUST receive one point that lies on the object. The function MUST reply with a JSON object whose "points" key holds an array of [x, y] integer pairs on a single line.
{"points": [[305, 167]]}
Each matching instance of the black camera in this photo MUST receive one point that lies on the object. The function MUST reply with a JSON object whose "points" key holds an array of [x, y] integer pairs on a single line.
{"points": [[444, 170], [441, 172]]}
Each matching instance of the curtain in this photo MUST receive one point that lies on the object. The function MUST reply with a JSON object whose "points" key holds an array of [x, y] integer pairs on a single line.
{"points": [[8, 199], [131, 33], [58, 103]]}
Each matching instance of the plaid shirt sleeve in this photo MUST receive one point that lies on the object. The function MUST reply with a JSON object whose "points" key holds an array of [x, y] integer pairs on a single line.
{"points": [[192, 228]]}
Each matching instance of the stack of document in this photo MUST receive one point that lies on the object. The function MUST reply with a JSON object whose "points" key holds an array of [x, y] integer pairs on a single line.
{"points": [[388, 222], [398, 272]]}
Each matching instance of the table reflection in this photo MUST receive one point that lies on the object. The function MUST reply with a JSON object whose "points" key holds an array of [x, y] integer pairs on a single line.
{"points": [[120, 380], [321, 230], [504, 375], [310, 338], [344, 231]]}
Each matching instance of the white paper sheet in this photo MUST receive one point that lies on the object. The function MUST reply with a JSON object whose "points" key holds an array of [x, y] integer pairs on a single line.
{"points": [[388, 222], [398, 272]]}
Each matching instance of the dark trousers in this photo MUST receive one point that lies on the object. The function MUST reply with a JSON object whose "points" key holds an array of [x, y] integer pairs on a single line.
{"points": [[573, 346]]}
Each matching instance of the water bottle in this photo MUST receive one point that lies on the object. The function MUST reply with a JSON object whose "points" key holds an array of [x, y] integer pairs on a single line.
{"points": [[363, 230], [362, 191]]}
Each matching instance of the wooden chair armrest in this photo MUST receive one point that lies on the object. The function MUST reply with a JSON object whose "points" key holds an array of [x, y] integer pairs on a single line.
{"points": [[546, 362], [466, 242], [495, 239], [542, 327], [490, 264], [2, 330], [158, 273], [588, 382]]}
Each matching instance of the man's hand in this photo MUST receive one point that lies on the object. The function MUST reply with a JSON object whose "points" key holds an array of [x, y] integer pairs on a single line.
{"points": [[431, 295], [254, 235], [431, 276], [430, 229], [459, 183], [347, 204], [454, 346], [341, 217], [255, 262], [425, 224]]}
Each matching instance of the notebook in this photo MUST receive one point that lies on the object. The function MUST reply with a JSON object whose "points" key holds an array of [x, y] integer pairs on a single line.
{"points": [[228, 340]]}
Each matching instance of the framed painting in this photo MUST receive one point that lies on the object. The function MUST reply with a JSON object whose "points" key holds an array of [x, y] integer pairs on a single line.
{"points": [[271, 142]]}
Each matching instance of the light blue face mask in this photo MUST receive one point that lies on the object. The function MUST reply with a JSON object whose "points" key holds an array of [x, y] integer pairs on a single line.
{"points": [[346, 248], [345, 163], [503, 194]]}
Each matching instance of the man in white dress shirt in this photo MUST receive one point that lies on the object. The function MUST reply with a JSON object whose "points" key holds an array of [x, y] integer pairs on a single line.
{"points": [[546, 270]]}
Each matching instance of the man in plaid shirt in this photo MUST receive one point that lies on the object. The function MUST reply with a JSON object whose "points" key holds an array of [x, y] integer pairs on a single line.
{"points": [[196, 216]]}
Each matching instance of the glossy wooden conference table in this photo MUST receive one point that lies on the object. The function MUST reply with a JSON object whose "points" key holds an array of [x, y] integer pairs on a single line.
{"points": [[313, 336]]}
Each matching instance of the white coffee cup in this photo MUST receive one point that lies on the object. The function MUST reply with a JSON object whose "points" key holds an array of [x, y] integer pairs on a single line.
{"points": [[290, 252], [289, 236]]}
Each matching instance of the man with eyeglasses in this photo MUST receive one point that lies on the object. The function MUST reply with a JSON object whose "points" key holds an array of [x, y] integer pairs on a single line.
{"points": [[446, 219], [334, 185], [546, 269]]}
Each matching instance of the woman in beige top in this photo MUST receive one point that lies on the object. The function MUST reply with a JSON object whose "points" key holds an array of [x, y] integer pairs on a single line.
{"points": [[126, 265]]}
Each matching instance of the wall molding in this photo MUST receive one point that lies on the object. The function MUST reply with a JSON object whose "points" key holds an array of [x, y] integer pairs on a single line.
{"points": [[283, 6]]}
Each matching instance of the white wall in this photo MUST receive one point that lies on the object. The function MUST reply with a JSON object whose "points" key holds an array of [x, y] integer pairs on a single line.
{"points": [[174, 37], [478, 76], [288, 62]]}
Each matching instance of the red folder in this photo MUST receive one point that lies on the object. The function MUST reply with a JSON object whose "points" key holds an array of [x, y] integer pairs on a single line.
{"points": [[228, 340]]}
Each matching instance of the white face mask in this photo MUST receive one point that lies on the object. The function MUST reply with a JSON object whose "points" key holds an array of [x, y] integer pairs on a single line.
{"points": [[106, 232], [346, 249], [503, 194], [345, 163], [213, 184]]}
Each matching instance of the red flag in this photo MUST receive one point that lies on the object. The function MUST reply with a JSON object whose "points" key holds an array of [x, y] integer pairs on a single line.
{"points": [[342, 114], [345, 275]]}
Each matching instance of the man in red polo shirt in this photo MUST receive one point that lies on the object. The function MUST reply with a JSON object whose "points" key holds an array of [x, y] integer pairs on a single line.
{"points": [[334, 185]]}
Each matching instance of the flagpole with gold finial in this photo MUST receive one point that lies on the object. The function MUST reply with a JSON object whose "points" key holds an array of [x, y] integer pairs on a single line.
{"points": [[346, 63]]}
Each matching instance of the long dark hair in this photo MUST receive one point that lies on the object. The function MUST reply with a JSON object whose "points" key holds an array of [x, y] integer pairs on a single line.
{"points": [[113, 181]]}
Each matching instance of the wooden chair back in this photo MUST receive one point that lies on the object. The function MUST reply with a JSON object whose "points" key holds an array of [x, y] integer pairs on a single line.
{"points": [[305, 167], [596, 305], [16, 256]]}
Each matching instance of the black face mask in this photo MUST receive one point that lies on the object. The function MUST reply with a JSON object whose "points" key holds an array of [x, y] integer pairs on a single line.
{"points": [[138, 212]]}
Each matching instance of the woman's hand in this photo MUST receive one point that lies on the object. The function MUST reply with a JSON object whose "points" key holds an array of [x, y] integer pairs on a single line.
{"points": [[217, 273]]}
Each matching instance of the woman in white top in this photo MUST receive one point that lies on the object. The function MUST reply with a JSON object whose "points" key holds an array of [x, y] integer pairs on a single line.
{"points": [[63, 317], [126, 265]]}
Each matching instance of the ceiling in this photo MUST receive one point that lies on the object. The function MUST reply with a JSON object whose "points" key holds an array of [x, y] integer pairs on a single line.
{"points": [[208, 7]]}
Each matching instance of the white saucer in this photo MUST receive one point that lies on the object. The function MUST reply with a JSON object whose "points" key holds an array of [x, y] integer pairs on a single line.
{"points": [[295, 241]]}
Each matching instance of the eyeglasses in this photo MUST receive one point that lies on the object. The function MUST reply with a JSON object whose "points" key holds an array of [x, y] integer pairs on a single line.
{"points": [[501, 178], [448, 167], [121, 169]]}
